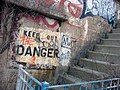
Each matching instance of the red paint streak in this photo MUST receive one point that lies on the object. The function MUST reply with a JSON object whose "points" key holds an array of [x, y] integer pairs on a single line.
{"points": [[26, 40], [38, 19], [34, 59], [62, 3], [76, 8], [72, 25]]}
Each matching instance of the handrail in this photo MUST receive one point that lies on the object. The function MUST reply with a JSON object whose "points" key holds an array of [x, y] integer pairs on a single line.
{"points": [[25, 80], [82, 83], [22, 83], [34, 79]]}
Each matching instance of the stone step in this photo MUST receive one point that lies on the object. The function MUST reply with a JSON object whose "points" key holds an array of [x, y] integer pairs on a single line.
{"points": [[107, 57], [118, 25], [108, 49], [98, 65], [117, 30], [67, 79], [86, 74], [1, 38], [110, 42], [0, 41], [113, 35]]}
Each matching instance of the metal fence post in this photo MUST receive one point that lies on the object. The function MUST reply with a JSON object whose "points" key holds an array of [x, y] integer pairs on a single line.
{"points": [[18, 78], [45, 85]]}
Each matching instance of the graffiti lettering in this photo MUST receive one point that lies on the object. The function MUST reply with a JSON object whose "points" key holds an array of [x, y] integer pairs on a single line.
{"points": [[52, 38], [103, 8], [66, 42], [26, 40], [28, 51], [44, 66], [36, 51], [30, 33], [50, 52], [43, 52], [75, 10], [36, 47], [20, 49], [65, 56]]}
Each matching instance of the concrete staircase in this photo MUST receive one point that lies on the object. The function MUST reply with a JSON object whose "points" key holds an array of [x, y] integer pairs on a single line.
{"points": [[103, 62]]}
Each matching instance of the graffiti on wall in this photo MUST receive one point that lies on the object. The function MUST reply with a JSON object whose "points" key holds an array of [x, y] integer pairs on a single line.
{"points": [[66, 7], [65, 53], [33, 46], [103, 8], [43, 21], [74, 8], [38, 40], [37, 46], [118, 12]]}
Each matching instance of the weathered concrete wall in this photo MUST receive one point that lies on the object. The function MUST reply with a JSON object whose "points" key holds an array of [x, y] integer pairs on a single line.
{"points": [[76, 37], [58, 9], [83, 35], [44, 6], [35, 42], [8, 60], [64, 9], [8, 76]]}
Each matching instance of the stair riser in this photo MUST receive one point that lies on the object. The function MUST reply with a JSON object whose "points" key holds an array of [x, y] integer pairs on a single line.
{"points": [[116, 30], [114, 36], [118, 25], [111, 42], [107, 49], [0, 41], [103, 57], [67, 81], [106, 68], [86, 76]]}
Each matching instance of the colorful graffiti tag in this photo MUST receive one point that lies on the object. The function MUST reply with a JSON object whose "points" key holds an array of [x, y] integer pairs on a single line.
{"points": [[74, 8], [103, 8]]}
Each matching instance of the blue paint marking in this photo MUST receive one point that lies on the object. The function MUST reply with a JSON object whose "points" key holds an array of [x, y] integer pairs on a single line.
{"points": [[27, 82], [102, 8]]}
